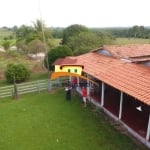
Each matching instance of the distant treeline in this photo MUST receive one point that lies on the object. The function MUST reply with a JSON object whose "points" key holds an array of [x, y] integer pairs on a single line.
{"points": [[133, 32]]}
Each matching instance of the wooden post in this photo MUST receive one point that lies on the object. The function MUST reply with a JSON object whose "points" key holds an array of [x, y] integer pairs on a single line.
{"points": [[15, 88], [38, 86], [102, 95], [148, 129], [121, 102], [49, 85]]}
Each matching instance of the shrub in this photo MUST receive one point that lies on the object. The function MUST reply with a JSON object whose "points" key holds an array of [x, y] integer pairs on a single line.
{"points": [[17, 72], [55, 53], [6, 44]]}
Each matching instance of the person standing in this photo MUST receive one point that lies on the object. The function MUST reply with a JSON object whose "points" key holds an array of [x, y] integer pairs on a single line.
{"points": [[84, 95], [68, 92]]}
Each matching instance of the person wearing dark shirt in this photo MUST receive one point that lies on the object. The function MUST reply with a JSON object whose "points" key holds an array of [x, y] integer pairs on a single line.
{"points": [[68, 92]]}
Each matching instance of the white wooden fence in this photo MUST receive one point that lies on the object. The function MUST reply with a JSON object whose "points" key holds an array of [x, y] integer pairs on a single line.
{"points": [[35, 86]]}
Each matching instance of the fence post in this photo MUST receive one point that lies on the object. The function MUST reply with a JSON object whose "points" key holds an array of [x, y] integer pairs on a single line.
{"points": [[15, 94], [58, 82], [49, 85], [38, 86], [15, 89]]}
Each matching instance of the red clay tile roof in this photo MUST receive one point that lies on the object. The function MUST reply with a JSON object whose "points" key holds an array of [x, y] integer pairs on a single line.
{"points": [[58, 61], [126, 51], [65, 61], [132, 79]]}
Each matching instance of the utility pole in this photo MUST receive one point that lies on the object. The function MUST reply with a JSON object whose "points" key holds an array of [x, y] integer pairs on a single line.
{"points": [[45, 46]]}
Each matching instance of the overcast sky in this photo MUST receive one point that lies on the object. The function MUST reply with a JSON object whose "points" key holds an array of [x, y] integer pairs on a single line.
{"points": [[62, 13]]}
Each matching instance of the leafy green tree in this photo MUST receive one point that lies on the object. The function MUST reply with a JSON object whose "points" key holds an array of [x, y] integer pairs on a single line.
{"points": [[22, 47], [134, 31], [58, 52], [81, 39], [84, 42], [41, 30], [138, 32], [105, 38], [17, 72], [26, 34], [73, 30], [53, 43], [57, 33], [36, 46]]}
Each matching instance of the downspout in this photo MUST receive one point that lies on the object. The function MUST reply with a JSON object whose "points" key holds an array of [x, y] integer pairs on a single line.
{"points": [[102, 96], [121, 102], [148, 129]]}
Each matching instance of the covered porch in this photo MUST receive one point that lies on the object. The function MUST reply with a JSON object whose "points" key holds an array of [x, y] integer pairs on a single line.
{"points": [[123, 108]]}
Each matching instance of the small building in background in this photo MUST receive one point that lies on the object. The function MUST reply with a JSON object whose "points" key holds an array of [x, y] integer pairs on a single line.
{"points": [[68, 64]]}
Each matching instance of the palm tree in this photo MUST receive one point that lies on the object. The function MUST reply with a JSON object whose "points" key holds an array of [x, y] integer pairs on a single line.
{"points": [[41, 30]]}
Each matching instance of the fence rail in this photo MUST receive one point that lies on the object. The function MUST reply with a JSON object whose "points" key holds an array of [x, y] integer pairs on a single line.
{"points": [[35, 86]]}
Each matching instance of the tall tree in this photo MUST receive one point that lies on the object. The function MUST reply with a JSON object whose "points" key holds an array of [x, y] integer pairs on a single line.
{"points": [[80, 39], [36, 46], [41, 30], [73, 30], [84, 42], [137, 32], [26, 34]]}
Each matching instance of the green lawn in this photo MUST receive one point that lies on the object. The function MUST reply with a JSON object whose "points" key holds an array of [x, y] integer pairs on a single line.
{"points": [[16, 58], [5, 33], [46, 121]]}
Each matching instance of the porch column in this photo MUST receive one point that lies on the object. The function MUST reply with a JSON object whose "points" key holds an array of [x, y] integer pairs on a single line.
{"points": [[121, 101], [88, 86], [78, 84], [102, 95], [70, 78], [148, 129]]}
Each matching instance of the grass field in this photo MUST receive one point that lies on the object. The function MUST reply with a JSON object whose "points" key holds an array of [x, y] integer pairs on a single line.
{"points": [[37, 70], [16, 58], [46, 121], [5, 33], [124, 41]]}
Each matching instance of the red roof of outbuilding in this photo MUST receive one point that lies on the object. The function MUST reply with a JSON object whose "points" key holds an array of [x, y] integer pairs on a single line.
{"points": [[65, 61], [126, 51]]}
